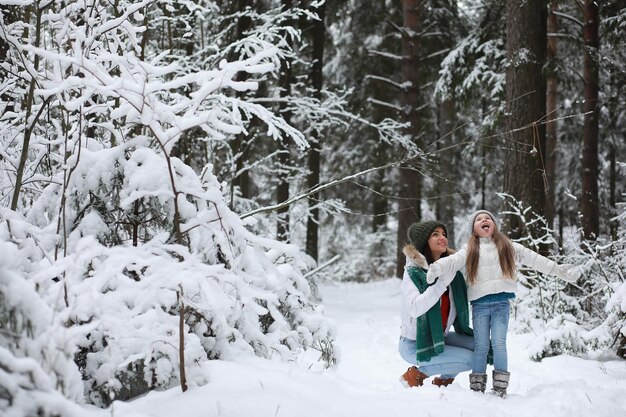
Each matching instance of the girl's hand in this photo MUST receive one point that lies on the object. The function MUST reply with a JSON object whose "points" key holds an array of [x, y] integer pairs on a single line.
{"points": [[447, 278], [568, 272], [434, 271]]}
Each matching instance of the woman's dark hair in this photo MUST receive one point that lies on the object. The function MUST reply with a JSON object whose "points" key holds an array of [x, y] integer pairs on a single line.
{"points": [[429, 255]]}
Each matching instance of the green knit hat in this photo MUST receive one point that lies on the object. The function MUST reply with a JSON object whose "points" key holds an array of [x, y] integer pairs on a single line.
{"points": [[420, 232]]}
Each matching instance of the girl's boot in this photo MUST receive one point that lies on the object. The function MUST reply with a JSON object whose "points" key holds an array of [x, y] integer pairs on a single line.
{"points": [[500, 383], [478, 381]]}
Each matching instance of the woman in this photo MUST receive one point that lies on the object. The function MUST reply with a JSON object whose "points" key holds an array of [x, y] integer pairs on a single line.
{"points": [[428, 312]]}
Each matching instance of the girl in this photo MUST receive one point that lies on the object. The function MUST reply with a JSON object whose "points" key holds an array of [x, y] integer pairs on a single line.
{"points": [[429, 311], [489, 259]]}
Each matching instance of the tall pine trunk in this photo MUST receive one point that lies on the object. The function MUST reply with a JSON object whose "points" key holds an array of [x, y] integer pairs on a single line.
{"points": [[316, 77], [613, 224], [242, 143], [526, 104], [446, 184], [552, 114], [410, 187], [282, 189], [446, 124], [380, 205], [589, 200]]}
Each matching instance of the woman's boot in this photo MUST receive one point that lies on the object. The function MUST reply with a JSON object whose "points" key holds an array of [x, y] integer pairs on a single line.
{"points": [[413, 377], [500, 383], [442, 382], [478, 381]]}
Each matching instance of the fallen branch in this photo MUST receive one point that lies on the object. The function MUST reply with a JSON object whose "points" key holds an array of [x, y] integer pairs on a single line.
{"points": [[324, 265]]}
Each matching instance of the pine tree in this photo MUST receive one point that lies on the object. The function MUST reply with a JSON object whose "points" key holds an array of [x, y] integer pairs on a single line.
{"points": [[526, 104]]}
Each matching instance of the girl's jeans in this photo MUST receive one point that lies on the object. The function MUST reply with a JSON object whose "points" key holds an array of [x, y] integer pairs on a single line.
{"points": [[456, 356], [490, 320]]}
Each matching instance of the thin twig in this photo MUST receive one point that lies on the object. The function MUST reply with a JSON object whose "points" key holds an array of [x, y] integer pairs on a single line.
{"points": [[320, 188]]}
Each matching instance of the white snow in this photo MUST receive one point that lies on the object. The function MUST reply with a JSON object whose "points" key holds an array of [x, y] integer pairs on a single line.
{"points": [[365, 381]]}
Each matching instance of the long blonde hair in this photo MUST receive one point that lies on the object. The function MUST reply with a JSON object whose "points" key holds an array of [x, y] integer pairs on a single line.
{"points": [[505, 253]]}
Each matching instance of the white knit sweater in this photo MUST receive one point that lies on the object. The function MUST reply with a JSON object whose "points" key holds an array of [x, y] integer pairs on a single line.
{"points": [[489, 277]]}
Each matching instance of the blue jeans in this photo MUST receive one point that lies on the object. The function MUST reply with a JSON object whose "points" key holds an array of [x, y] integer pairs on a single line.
{"points": [[490, 320], [456, 356]]}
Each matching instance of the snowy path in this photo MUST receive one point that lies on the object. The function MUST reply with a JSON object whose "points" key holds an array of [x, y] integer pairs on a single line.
{"points": [[365, 383], [368, 323]]}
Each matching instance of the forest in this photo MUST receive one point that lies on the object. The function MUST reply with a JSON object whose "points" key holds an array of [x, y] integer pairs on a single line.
{"points": [[177, 177]]}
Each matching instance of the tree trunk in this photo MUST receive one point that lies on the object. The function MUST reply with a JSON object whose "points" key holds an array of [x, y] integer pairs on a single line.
{"points": [[10, 14], [589, 200], [410, 187], [242, 143], [282, 189], [446, 184], [612, 192], [380, 205], [181, 341], [526, 104], [316, 77], [30, 103], [551, 111]]}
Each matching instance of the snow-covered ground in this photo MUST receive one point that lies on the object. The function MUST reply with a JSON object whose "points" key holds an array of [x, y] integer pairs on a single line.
{"points": [[365, 382]]}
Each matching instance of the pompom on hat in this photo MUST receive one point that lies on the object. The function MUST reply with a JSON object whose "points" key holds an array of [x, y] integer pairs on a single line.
{"points": [[419, 233], [476, 213]]}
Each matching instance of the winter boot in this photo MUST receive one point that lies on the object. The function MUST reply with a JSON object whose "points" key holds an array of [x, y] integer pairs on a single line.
{"points": [[413, 377], [478, 381], [500, 383], [442, 382]]}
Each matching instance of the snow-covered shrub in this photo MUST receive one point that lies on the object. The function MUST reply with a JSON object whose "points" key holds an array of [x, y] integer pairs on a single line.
{"points": [[37, 371], [120, 232], [127, 301], [615, 278], [27, 390], [584, 318], [604, 263], [581, 318], [615, 322], [242, 294], [559, 335]]}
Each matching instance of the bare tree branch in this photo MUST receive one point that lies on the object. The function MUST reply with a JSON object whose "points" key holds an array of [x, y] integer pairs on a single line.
{"points": [[321, 187]]}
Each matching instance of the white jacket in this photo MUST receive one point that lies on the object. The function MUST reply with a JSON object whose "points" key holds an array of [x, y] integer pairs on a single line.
{"points": [[414, 303], [489, 277]]}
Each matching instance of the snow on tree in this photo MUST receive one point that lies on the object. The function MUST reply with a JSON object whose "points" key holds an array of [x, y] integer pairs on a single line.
{"points": [[586, 317], [126, 233], [38, 375]]}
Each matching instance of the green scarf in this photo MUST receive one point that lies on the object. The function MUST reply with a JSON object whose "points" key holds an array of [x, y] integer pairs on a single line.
{"points": [[430, 339]]}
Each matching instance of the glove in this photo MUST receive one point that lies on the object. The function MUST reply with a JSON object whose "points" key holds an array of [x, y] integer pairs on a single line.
{"points": [[446, 279], [434, 270], [568, 272]]}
